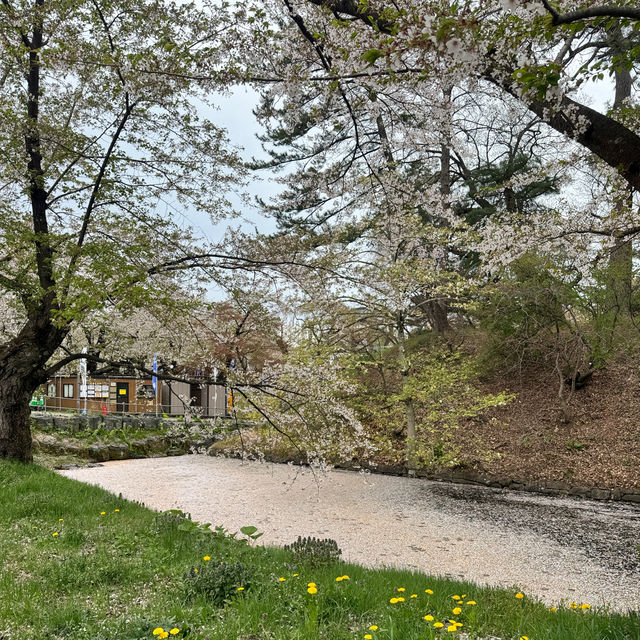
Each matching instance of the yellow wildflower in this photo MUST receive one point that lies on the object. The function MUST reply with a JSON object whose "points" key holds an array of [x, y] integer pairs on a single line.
{"points": [[60, 519], [553, 608], [414, 595], [118, 511], [339, 579], [295, 575], [206, 558], [519, 595], [195, 571], [457, 611], [428, 618], [463, 596], [393, 600], [312, 590], [452, 628], [429, 591], [240, 588], [373, 627], [400, 599], [584, 605], [345, 577], [438, 625], [401, 589], [163, 635], [281, 579], [311, 584], [573, 605], [368, 636], [456, 597], [54, 534], [524, 637], [174, 631], [102, 513], [157, 631], [470, 602]]}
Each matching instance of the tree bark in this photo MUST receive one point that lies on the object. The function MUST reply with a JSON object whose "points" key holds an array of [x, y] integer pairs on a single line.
{"points": [[621, 256], [15, 419], [410, 412]]}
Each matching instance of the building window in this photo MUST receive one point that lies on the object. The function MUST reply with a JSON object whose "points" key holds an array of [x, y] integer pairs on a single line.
{"points": [[67, 391]]}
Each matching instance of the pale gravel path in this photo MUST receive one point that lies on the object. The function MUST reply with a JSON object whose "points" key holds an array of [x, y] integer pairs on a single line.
{"points": [[553, 548]]}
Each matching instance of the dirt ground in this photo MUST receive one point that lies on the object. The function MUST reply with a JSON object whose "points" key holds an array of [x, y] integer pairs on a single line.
{"points": [[528, 441]]}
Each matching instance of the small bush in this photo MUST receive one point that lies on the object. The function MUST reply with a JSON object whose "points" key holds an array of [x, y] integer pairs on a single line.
{"points": [[315, 552], [217, 582]]}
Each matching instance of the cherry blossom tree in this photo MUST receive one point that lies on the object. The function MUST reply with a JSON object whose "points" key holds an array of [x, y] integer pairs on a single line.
{"points": [[101, 147]]}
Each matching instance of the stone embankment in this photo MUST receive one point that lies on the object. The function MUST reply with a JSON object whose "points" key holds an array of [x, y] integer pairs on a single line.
{"points": [[66, 434]]}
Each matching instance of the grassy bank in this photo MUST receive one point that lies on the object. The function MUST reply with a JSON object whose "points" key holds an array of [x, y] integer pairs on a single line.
{"points": [[80, 563]]}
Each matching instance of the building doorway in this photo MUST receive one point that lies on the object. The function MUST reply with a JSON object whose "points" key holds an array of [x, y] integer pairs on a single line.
{"points": [[122, 397]]}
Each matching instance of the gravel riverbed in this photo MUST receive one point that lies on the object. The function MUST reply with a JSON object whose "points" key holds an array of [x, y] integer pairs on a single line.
{"points": [[554, 548]]}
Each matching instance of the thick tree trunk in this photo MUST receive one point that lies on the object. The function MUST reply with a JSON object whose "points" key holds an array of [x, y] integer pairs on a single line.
{"points": [[621, 256], [620, 275], [15, 419], [23, 368], [410, 412]]}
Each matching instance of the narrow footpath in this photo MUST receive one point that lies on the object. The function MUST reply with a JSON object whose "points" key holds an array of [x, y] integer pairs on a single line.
{"points": [[557, 549]]}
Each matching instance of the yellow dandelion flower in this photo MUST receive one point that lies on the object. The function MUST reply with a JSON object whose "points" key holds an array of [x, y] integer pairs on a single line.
{"points": [[281, 579], [54, 534], [163, 635], [400, 589], [295, 575], [102, 513], [573, 605], [458, 624], [240, 588], [429, 591], [463, 596], [393, 600], [118, 511], [519, 595], [339, 579], [524, 637], [428, 618], [438, 625], [175, 631], [206, 558], [195, 571], [345, 577], [452, 628], [373, 627], [312, 590], [400, 599], [457, 611], [584, 605], [414, 595], [157, 631], [60, 519], [553, 608], [311, 584], [470, 602], [368, 636], [456, 597]]}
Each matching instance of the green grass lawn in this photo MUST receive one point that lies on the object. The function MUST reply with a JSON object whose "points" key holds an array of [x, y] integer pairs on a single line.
{"points": [[79, 562]]}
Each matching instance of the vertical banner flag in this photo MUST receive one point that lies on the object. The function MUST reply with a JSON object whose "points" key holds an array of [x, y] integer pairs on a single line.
{"points": [[154, 379], [83, 374]]}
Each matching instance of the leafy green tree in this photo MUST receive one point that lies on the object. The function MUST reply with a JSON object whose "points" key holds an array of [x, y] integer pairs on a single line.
{"points": [[100, 145]]}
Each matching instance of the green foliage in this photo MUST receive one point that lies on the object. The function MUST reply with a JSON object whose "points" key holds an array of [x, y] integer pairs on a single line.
{"points": [[314, 552], [217, 582]]}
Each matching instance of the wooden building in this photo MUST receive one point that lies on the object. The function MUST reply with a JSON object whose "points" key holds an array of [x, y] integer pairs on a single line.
{"points": [[128, 394]]}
